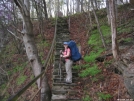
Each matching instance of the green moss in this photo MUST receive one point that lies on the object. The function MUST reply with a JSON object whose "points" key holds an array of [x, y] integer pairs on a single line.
{"points": [[126, 40], [103, 96], [17, 68], [2, 87], [106, 63], [21, 79], [32, 77], [90, 58], [92, 71], [95, 39], [124, 30], [5, 97], [93, 55], [81, 66], [106, 30], [86, 98], [77, 67], [126, 27]]}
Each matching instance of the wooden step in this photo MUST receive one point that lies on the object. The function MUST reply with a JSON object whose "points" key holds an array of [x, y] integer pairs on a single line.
{"points": [[63, 87], [63, 76], [73, 73], [67, 92], [62, 24], [61, 80], [63, 98], [66, 100], [62, 31], [63, 39], [58, 97], [63, 69], [62, 34], [62, 84]]}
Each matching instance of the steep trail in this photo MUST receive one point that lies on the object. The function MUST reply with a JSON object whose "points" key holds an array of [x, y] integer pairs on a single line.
{"points": [[60, 90]]}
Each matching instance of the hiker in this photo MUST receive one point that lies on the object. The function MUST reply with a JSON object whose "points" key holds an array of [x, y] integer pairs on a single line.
{"points": [[68, 62]]}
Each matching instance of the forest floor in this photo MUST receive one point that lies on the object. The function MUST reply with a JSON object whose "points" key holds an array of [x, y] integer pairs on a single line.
{"points": [[109, 81]]}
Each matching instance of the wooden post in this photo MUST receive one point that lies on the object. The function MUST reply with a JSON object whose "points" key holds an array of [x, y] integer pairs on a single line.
{"points": [[79, 47]]}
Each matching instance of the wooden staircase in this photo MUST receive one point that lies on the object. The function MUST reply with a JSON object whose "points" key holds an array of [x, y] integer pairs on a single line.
{"points": [[62, 91]]}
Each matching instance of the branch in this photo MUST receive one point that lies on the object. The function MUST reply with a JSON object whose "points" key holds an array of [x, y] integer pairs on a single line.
{"points": [[13, 34], [17, 3], [5, 73], [16, 29]]}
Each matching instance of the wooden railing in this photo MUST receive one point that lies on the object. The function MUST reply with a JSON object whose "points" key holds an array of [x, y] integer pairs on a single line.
{"points": [[47, 62]]}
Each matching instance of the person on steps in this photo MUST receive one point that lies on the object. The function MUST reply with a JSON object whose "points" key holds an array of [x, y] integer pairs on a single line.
{"points": [[68, 62]]}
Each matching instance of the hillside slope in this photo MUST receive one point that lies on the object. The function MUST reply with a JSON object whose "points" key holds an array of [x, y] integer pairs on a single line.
{"points": [[107, 84]]}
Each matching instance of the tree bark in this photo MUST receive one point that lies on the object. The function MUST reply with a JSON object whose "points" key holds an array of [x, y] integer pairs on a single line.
{"points": [[78, 6], [98, 25], [95, 2], [67, 7], [108, 15], [40, 17], [45, 9], [50, 8], [115, 48], [82, 10], [31, 49]]}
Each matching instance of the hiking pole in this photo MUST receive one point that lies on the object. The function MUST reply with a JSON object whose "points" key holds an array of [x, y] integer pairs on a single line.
{"points": [[60, 69]]}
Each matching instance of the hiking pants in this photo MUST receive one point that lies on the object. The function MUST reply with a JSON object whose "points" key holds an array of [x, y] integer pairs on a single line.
{"points": [[68, 67]]}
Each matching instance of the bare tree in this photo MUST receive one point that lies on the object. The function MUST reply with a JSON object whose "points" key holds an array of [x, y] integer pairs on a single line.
{"points": [[39, 16], [82, 10], [95, 4], [70, 7], [31, 49], [108, 15], [73, 7], [77, 6], [98, 25], [115, 48], [49, 6], [45, 9], [67, 6]]}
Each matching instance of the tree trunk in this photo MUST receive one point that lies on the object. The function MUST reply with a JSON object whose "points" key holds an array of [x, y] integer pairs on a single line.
{"points": [[88, 4], [67, 7], [98, 25], [40, 18], [115, 47], [70, 8], [45, 9], [73, 6], [82, 10], [31, 49], [78, 6], [108, 15], [95, 2], [58, 7], [50, 4]]}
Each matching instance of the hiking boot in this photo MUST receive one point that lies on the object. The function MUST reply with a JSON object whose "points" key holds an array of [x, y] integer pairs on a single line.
{"points": [[68, 82]]}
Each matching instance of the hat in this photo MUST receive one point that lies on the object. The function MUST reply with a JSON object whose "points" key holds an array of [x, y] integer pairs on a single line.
{"points": [[65, 43]]}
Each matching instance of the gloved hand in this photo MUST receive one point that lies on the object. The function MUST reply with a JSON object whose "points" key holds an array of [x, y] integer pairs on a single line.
{"points": [[60, 51]]}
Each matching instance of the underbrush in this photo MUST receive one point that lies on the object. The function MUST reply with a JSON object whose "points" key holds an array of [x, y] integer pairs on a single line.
{"points": [[91, 69]]}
